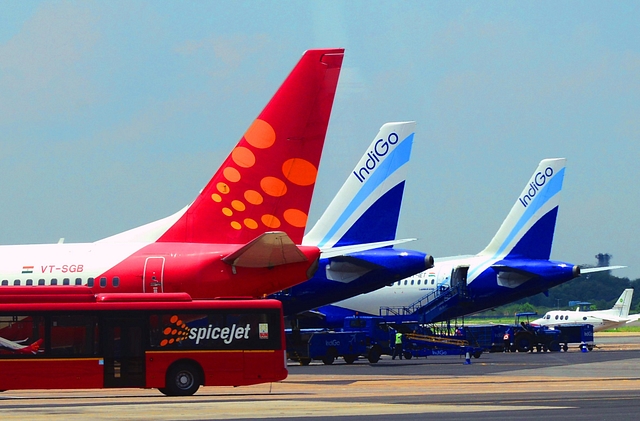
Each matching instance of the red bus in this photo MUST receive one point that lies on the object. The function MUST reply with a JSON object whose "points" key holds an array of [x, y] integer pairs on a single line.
{"points": [[168, 341]]}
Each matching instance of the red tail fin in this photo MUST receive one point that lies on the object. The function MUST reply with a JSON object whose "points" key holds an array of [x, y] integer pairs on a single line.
{"points": [[267, 181]]}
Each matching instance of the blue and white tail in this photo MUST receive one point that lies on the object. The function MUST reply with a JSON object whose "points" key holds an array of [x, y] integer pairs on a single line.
{"points": [[528, 230], [367, 207]]}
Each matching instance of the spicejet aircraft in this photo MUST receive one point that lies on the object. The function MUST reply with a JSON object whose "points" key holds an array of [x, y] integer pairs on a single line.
{"points": [[239, 236], [514, 265], [18, 348], [365, 211], [616, 316]]}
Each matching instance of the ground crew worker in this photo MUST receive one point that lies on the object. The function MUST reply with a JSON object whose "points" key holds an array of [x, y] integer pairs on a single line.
{"points": [[397, 350], [507, 338]]}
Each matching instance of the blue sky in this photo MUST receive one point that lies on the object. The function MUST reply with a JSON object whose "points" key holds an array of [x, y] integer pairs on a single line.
{"points": [[114, 114]]}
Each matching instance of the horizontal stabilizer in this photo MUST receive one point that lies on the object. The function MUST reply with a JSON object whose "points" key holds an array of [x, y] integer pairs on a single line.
{"points": [[512, 277], [600, 269], [344, 250], [610, 318], [267, 250]]}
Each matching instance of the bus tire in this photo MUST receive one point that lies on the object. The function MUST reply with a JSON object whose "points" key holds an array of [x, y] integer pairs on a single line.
{"points": [[374, 355], [350, 359], [328, 359], [183, 379]]}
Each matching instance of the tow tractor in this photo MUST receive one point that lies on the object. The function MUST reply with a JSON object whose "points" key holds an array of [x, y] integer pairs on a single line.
{"points": [[528, 338]]}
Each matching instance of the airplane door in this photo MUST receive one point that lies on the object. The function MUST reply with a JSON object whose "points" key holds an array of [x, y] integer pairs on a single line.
{"points": [[124, 359], [459, 278], [153, 278]]}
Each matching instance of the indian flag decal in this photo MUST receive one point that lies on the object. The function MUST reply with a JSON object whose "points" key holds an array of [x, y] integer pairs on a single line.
{"points": [[27, 269]]}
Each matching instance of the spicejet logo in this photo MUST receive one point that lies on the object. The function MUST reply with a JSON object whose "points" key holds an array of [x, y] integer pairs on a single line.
{"points": [[539, 180], [178, 331], [380, 149]]}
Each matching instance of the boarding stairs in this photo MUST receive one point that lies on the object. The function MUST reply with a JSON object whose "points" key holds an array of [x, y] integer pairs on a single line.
{"points": [[428, 308]]}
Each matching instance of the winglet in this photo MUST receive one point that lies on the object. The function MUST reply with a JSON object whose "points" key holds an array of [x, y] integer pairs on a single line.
{"points": [[267, 250]]}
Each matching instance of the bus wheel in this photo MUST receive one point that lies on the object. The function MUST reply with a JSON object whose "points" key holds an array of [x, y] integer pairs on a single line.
{"points": [[183, 379], [374, 355], [350, 359]]}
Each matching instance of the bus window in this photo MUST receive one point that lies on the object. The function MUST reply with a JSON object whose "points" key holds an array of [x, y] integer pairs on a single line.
{"points": [[24, 333], [73, 335]]}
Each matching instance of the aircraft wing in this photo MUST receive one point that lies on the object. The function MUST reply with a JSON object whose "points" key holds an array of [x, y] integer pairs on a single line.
{"points": [[600, 269], [341, 251], [267, 250]]}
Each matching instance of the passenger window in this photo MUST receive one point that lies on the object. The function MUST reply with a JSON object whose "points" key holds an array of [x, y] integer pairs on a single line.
{"points": [[103, 282], [419, 281], [78, 281], [65, 281], [29, 282], [405, 282], [412, 282], [433, 281], [16, 282], [5, 283], [556, 317], [584, 318], [40, 281], [54, 281], [116, 282], [90, 282]]}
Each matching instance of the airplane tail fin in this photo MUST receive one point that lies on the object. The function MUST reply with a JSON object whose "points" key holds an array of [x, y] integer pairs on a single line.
{"points": [[623, 305], [527, 231], [367, 206], [267, 181]]}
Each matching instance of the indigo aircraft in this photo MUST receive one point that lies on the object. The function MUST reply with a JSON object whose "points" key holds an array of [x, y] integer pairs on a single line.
{"points": [[616, 316], [514, 265], [365, 211], [242, 234]]}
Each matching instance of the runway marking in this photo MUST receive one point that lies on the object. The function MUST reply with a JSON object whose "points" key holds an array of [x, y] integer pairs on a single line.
{"points": [[265, 409]]}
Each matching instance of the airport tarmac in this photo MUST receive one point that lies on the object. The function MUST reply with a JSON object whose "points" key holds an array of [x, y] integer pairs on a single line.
{"points": [[598, 385]]}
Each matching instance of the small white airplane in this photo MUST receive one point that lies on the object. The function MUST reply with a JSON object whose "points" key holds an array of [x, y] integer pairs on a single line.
{"points": [[616, 316]]}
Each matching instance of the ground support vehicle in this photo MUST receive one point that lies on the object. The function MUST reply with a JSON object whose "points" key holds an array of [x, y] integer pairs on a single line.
{"points": [[578, 334], [367, 337], [487, 337], [306, 346], [417, 345], [529, 338], [70, 338]]}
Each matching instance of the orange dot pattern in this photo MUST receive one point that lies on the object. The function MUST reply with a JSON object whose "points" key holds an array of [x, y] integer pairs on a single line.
{"points": [[240, 204], [176, 332]]}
